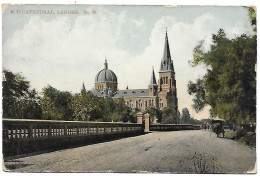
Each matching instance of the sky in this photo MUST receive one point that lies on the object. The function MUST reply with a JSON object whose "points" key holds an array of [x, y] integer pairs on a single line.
{"points": [[63, 50]]}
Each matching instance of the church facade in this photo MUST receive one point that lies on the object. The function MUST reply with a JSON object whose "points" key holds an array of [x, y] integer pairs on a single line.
{"points": [[158, 95]]}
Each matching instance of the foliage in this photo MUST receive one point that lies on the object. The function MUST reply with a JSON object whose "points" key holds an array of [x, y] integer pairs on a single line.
{"points": [[230, 134], [252, 16], [248, 138], [186, 119], [21, 102], [18, 100], [132, 115], [122, 113], [229, 85], [86, 107], [154, 112], [56, 104], [169, 115]]}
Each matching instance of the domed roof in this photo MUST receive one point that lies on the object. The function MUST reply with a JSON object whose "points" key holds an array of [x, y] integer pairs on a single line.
{"points": [[106, 75]]}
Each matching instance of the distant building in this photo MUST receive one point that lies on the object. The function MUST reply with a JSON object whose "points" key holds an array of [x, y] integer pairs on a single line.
{"points": [[161, 95]]}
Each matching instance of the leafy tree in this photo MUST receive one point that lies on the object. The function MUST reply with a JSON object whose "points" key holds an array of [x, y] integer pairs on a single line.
{"points": [[56, 105], [252, 16], [86, 107], [108, 107], [19, 101], [169, 116], [122, 113], [185, 116], [154, 113], [229, 86], [187, 119]]}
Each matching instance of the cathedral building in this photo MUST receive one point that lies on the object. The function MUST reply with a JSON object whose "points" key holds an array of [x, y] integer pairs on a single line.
{"points": [[161, 95]]}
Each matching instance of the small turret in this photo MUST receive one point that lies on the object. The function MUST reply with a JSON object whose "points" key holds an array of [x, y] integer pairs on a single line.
{"points": [[83, 89], [105, 90], [153, 85]]}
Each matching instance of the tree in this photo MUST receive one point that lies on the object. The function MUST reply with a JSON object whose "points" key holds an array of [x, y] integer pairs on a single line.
{"points": [[252, 16], [229, 86], [86, 107], [154, 113], [122, 113], [56, 105], [169, 115], [19, 101], [185, 116]]}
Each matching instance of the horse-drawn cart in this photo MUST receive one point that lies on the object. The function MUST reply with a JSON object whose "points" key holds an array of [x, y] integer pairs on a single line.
{"points": [[218, 127]]}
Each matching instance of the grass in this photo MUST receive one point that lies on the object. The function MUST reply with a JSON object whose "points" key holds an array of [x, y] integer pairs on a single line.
{"points": [[230, 134]]}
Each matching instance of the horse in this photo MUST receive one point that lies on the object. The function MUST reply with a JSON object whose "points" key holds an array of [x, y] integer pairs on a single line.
{"points": [[218, 130]]}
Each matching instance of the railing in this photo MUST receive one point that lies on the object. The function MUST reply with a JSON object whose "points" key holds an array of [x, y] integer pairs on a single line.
{"points": [[173, 127], [22, 136], [14, 129]]}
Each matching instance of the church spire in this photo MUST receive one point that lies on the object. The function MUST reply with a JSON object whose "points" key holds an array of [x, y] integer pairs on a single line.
{"points": [[83, 90], [166, 63], [153, 79]]}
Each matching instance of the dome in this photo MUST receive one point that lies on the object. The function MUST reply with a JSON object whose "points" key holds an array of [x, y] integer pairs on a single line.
{"points": [[106, 75]]}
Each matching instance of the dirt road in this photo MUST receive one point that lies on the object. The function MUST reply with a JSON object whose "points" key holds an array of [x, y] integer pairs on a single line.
{"points": [[175, 152]]}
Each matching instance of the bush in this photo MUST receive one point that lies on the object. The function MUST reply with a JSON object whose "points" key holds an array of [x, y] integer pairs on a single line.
{"points": [[231, 134], [249, 139], [240, 133]]}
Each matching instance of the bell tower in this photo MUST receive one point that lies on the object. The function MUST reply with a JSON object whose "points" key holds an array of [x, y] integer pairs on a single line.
{"points": [[167, 90]]}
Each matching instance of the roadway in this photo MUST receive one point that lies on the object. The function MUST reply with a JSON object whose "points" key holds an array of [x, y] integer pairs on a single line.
{"points": [[196, 151]]}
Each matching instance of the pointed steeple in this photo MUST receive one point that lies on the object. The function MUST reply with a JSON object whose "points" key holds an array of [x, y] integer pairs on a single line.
{"points": [[83, 90], [153, 79], [166, 63], [127, 87]]}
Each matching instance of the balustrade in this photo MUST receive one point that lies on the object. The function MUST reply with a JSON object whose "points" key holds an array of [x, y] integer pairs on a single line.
{"points": [[40, 129]]}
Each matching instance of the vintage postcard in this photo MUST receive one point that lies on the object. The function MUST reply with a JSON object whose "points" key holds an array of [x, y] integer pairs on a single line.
{"points": [[133, 88]]}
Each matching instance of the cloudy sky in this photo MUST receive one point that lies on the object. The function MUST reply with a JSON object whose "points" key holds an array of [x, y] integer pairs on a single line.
{"points": [[64, 50]]}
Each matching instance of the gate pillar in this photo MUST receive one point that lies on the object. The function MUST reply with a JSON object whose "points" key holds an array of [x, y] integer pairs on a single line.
{"points": [[139, 117], [146, 122]]}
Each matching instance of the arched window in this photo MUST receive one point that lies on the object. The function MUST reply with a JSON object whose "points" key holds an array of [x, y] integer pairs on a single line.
{"points": [[145, 103], [136, 104], [140, 103], [161, 103], [166, 80]]}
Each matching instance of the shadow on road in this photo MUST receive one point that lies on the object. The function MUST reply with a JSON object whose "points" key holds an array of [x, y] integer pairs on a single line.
{"points": [[8, 158]]}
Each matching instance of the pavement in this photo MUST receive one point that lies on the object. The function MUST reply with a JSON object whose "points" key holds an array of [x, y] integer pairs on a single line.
{"points": [[196, 151]]}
